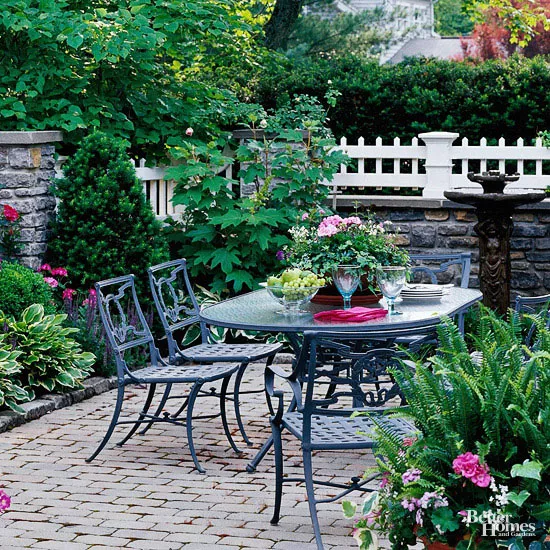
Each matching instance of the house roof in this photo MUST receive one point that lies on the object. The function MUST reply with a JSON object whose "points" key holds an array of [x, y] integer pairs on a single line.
{"points": [[438, 47]]}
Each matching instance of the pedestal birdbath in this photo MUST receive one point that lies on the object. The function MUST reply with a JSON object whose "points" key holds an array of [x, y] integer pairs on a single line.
{"points": [[494, 210]]}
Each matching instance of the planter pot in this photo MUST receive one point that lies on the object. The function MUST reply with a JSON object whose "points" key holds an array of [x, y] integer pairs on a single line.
{"points": [[436, 545], [330, 296]]}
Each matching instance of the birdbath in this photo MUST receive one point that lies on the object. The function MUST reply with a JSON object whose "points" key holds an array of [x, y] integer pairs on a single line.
{"points": [[494, 208]]}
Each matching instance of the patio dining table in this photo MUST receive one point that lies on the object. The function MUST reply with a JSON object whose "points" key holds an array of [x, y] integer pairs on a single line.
{"points": [[257, 311]]}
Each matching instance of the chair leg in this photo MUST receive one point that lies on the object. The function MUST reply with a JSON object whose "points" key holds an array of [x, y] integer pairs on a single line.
{"points": [[142, 414], [278, 452], [308, 474], [114, 420], [237, 404], [223, 394], [189, 425], [159, 408], [269, 361]]}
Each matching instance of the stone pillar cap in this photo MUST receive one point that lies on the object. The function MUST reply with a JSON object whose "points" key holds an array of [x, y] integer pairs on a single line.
{"points": [[30, 138]]}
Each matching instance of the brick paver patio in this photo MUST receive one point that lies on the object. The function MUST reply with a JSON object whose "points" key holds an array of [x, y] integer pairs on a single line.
{"points": [[147, 495]]}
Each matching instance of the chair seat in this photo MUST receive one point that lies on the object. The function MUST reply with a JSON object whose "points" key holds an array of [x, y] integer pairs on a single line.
{"points": [[230, 352], [182, 373], [340, 431]]}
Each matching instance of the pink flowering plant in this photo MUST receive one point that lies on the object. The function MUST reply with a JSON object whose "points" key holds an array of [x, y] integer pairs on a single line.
{"points": [[10, 232], [479, 447], [321, 242]]}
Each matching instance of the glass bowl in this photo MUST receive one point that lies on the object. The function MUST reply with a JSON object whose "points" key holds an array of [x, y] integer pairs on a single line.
{"points": [[292, 299]]}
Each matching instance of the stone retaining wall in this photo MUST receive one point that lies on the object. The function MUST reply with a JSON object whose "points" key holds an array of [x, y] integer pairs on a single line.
{"points": [[27, 161], [442, 226]]}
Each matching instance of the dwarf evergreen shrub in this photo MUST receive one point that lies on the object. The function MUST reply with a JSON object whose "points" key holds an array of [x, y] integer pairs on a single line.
{"points": [[21, 287], [105, 226]]}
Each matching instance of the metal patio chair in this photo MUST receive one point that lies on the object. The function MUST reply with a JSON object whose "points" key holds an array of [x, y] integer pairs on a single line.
{"points": [[534, 306], [318, 424], [431, 266], [170, 286], [443, 263], [127, 331]]}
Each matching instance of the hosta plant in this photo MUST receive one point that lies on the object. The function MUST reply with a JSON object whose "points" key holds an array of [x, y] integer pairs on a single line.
{"points": [[479, 457], [50, 357], [11, 390]]}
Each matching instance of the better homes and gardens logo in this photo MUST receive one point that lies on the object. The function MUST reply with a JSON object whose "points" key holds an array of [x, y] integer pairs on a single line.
{"points": [[496, 525]]}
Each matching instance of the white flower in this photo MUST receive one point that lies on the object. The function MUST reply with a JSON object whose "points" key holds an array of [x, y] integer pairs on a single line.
{"points": [[263, 123], [189, 132]]}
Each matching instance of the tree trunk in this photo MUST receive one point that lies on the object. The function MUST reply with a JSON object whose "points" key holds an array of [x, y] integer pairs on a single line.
{"points": [[280, 25]]}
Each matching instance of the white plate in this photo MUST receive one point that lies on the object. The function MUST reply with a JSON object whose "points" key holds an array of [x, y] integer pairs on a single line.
{"points": [[421, 298]]}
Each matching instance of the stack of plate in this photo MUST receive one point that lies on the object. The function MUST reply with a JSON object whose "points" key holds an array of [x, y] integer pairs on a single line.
{"points": [[422, 292]]}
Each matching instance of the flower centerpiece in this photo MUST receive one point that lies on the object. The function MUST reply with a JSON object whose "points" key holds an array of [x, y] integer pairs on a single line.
{"points": [[322, 243], [475, 471]]}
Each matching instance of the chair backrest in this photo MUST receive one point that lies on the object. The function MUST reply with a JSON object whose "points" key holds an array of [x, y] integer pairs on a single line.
{"points": [[365, 382], [123, 320], [432, 264], [175, 301], [533, 305]]}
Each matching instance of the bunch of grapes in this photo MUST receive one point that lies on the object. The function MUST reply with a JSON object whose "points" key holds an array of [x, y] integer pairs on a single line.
{"points": [[302, 287]]}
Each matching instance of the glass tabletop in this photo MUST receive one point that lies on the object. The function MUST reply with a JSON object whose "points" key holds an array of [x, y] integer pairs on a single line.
{"points": [[258, 311]]}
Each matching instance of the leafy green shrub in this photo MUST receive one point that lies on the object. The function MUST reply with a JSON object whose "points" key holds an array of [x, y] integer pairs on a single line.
{"points": [[11, 390], [73, 66], [21, 287], [105, 226], [50, 358], [230, 241], [492, 99], [493, 408]]}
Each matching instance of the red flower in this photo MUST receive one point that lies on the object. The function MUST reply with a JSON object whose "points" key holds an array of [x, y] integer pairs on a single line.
{"points": [[10, 213]]}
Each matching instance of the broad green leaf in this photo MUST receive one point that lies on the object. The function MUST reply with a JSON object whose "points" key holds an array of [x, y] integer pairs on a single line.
{"points": [[349, 508], [370, 503], [529, 469], [445, 519], [518, 499]]}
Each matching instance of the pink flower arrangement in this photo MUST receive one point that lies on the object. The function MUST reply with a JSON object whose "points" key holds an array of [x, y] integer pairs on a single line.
{"points": [[10, 213], [468, 465], [5, 501]]}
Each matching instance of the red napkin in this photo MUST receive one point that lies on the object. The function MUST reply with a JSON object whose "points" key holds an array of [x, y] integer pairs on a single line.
{"points": [[353, 315]]}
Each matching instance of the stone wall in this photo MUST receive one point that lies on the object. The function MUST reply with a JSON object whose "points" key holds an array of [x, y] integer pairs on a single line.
{"points": [[441, 226], [27, 161]]}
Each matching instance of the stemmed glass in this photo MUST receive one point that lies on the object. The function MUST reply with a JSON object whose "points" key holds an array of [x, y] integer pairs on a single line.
{"points": [[347, 278], [391, 280]]}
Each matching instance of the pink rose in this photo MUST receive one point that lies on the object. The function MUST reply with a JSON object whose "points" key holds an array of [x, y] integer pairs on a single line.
{"points": [[51, 281], [61, 271], [466, 464], [189, 132], [45, 267]]}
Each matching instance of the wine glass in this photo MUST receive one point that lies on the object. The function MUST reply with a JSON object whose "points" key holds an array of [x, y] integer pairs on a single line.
{"points": [[391, 280], [347, 278]]}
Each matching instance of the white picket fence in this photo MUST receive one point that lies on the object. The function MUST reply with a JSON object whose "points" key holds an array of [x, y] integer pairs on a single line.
{"points": [[431, 164]]}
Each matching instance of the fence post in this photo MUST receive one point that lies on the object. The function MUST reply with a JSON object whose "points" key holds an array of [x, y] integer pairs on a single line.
{"points": [[439, 162]]}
